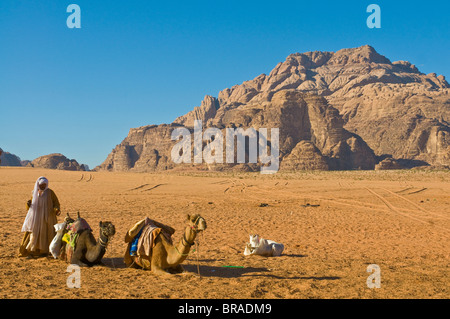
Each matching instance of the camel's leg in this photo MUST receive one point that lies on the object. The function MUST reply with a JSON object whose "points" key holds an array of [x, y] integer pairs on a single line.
{"points": [[178, 269], [159, 258], [82, 264], [78, 262], [159, 271], [158, 268], [80, 251]]}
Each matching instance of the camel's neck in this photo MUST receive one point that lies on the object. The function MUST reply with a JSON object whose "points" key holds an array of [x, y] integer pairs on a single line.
{"points": [[103, 240], [181, 250], [96, 252]]}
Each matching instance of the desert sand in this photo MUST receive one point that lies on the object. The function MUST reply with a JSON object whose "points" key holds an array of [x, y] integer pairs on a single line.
{"points": [[333, 225]]}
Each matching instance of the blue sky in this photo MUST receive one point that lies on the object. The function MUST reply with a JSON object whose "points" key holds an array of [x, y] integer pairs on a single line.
{"points": [[134, 63]]}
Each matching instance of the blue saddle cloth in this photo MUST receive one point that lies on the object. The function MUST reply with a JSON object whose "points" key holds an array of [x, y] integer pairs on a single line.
{"points": [[134, 243]]}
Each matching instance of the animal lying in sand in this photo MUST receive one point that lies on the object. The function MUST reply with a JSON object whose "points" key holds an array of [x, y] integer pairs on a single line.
{"points": [[162, 257], [80, 246], [263, 247]]}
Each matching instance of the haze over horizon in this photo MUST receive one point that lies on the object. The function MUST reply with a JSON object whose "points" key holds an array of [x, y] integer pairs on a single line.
{"points": [[79, 91]]}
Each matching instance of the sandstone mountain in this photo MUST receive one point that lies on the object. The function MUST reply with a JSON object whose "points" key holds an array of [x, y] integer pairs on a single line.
{"points": [[396, 109], [51, 161], [348, 109], [8, 159], [56, 161], [300, 117]]}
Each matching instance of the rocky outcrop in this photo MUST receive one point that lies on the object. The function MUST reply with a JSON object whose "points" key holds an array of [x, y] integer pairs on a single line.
{"points": [[146, 148], [56, 161], [206, 111], [25, 162], [8, 159], [306, 122], [393, 107], [335, 110], [304, 156], [52, 161], [406, 123], [388, 163], [303, 117]]}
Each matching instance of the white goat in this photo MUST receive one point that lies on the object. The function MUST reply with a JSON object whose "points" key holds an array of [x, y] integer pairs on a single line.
{"points": [[263, 247]]}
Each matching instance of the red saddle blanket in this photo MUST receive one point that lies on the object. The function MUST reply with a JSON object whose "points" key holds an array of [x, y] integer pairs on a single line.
{"points": [[78, 226]]}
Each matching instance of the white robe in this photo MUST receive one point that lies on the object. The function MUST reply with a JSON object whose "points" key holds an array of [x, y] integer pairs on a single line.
{"points": [[36, 221]]}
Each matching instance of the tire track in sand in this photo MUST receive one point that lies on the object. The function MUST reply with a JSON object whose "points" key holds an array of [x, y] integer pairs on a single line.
{"points": [[394, 209]]}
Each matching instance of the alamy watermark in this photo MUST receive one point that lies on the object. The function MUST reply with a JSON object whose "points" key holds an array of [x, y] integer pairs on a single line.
{"points": [[74, 279], [374, 20], [374, 280], [74, 20], [258, 145]]}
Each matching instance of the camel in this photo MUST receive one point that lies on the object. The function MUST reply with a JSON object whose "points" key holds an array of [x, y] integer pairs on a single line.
{"points": [[263, 247], [88, 251], [164, 258]]}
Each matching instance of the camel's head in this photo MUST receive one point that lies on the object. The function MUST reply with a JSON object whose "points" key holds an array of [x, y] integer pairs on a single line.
{"points": [[254, 240], [68, 219], [107, 229], [196, 222]]}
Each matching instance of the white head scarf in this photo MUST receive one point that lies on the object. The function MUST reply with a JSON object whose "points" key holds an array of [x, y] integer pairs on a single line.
{"points": [[42, 180], [31, 222]]}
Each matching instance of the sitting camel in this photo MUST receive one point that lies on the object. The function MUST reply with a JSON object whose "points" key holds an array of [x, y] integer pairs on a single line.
{"points": [[263, 247], [155, 249], [85, 249]]}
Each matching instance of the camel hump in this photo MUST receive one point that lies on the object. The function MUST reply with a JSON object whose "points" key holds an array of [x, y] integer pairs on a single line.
{"points": [[169, 230], [79, 225], [129, 236]]}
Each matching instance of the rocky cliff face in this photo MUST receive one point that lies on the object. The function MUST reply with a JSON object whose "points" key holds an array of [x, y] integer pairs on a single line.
{"points": [[56, 161], [52, 161], [335, 110], [8, 159], [207, 110], [145, 148], [311, 136], [395, 108]]}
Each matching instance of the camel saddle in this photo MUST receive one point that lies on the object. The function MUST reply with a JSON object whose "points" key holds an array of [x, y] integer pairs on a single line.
{"points": [[145, 231], [70, 238], [129, 236], [78, 226]]}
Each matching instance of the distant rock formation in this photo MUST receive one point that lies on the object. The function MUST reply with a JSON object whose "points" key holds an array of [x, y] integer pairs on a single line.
{"points": [[335, 110], [8, 159], [207, 110], [56, 161], [51, 161], [302, 119], [388, 163], [305, 156], [396, 109], [146, 148], [25, 162]]}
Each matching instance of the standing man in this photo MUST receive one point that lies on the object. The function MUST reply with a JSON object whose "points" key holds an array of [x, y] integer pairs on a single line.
{"points": [[39, 223]]}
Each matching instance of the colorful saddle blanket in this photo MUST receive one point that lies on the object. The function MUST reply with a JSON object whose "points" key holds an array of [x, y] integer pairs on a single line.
{"points": [[134, 244], [78, 226], [71, 237]]}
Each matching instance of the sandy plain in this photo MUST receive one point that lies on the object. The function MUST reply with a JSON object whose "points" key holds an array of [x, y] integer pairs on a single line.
{"points": [[333, 225]]}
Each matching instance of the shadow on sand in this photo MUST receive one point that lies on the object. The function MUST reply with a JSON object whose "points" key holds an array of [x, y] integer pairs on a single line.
{"points": [[114, 263], [118, 263], [230, 272], [224, 271]]}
